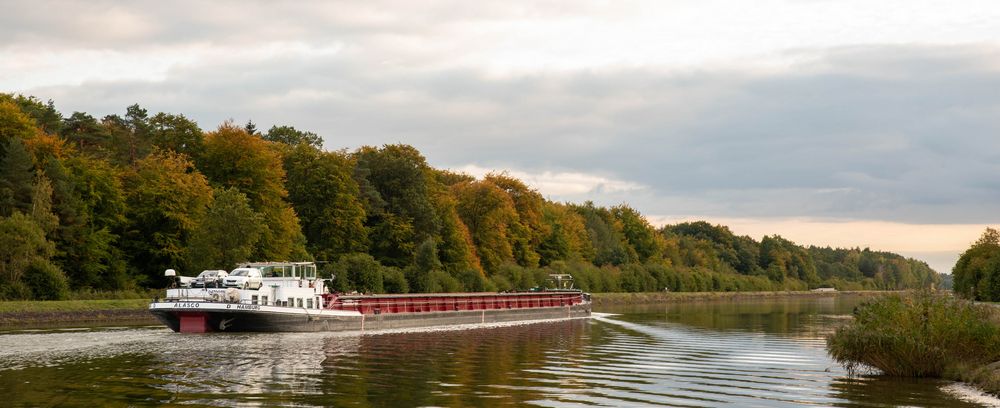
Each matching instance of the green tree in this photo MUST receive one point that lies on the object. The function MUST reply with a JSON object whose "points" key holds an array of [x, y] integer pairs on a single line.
{"points": [[22, 243], [227, 234], [177, 133], [16, 179], [396, 183], [425, 261], [45, 280], [325, 196], [977, 268], [41, 204], [363, 273], [85, 132], [88, 199], [606, 234], [292, 136], [129, 139], [638, 233]]}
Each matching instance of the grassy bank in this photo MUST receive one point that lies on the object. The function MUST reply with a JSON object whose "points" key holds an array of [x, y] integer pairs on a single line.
{"points": [[617, 298], [29, 306], [922, 335], [24, 313]]}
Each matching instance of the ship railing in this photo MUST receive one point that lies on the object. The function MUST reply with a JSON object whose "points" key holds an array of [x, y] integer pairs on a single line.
{"points": [[186, 295]]}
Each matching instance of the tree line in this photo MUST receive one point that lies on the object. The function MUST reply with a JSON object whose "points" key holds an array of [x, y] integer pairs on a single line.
{"points": [[976, 275], [109, 203]]}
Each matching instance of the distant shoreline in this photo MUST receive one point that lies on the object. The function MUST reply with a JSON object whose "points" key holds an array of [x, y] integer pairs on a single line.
{"points": [[620, 298]]}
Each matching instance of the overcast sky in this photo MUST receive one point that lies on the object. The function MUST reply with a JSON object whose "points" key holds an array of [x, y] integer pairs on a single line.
{"points": [[843, 123]]}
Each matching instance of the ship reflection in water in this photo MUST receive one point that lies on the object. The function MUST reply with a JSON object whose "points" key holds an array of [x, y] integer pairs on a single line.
{"points": [[753, 353]]}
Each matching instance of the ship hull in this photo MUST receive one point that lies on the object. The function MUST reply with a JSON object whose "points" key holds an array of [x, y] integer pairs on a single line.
{"points": [[197, 317]]}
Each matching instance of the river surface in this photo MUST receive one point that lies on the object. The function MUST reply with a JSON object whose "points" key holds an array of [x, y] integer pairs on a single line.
{"points": [[765, 353]]}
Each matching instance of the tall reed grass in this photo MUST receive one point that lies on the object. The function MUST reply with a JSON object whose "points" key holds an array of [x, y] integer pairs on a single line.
{"points": [[922, 334]]}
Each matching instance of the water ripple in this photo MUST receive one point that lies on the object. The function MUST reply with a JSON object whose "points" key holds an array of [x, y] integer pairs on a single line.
{"points": [[627, 359]]}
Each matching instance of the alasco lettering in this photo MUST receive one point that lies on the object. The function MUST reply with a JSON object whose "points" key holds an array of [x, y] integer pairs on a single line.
{"points": [[187, 304]]}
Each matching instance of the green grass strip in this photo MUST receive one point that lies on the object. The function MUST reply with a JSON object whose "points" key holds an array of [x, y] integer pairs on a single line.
{"points": [[32, 306]]}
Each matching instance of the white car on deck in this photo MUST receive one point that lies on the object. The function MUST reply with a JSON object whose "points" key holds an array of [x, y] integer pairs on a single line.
{"points": [[209, 279], [244, 278]]}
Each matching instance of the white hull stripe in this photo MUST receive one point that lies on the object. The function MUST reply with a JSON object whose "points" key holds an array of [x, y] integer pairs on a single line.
{"points": [[239, 307]]}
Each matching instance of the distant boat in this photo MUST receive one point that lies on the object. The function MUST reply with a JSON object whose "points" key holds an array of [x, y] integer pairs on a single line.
{"points": [[291, 298]]}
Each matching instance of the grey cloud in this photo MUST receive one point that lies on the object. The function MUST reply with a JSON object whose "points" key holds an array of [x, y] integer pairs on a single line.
{"points": [[895, 133], [107, 24]]}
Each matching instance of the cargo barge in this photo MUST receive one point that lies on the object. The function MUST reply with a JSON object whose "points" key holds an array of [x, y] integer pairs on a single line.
{"points": [[290, 297]]}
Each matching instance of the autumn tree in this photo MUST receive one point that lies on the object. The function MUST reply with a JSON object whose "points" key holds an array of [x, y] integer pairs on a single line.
{"points": [[527, 230], [43, 114], [166, 200], [456, 248], [14, 125], [489, 213], [234, 158], [566, 236]]}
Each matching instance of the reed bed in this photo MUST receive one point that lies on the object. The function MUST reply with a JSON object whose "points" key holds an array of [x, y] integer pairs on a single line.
{"points": [[922, 334]]}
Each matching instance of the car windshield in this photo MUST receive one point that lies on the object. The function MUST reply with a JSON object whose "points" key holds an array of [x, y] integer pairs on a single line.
{"points": [[208, 274], [240, 272]]}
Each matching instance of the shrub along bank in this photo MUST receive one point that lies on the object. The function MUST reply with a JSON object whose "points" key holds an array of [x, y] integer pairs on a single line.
{"points": [[922, 334]]}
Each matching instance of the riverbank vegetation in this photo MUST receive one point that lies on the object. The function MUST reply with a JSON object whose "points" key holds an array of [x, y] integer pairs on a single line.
{"points": [[639, 298], [107, 204], [977, 273], [922, 334]]}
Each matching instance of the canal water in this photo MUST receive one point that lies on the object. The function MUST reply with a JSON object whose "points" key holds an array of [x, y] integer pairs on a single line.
{"points": [[765, 353]]}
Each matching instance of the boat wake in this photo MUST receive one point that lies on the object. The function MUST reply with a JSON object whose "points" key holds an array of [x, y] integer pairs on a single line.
{"points": [[970, 394]]}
